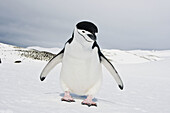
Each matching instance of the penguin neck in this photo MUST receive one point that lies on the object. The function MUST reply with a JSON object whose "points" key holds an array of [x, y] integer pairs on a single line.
{"points": [[81, 41]]}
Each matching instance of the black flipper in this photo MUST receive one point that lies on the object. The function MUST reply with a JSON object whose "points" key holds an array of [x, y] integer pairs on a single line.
{"points": [[109, 66], [112, 71], [54, 61], [51, 64]]}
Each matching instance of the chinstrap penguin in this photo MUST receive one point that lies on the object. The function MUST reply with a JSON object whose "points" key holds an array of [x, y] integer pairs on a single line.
{"points": [[82, 60]]}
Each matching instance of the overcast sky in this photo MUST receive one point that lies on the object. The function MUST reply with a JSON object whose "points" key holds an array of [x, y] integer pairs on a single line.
{"points": [[123, 24]]}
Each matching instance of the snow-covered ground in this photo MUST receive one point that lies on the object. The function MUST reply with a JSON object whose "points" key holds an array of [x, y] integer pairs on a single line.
{"points": [[146, 76]]}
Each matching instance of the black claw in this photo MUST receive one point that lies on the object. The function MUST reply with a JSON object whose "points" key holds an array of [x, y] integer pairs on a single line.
{"points": [[94, 105], [42, 78], [67, 100], [88, 104], [121, 87]]}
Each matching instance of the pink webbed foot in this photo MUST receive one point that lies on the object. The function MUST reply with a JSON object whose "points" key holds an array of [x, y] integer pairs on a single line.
{"points": [[88, 101], [67, 97]]}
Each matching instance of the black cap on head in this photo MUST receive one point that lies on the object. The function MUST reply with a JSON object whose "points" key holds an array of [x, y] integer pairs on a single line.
{"points": [[88, 26]]}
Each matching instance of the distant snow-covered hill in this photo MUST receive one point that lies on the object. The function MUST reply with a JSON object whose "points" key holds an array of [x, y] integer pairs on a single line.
{"points": [[135, 56], [13, 53]]}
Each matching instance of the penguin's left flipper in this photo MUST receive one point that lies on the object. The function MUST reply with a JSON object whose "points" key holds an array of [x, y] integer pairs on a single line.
{"points": [[51, 64], [112, 70]]}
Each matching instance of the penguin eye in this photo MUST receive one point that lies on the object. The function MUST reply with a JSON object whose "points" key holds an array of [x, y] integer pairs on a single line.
{"points": [[83, 31]]}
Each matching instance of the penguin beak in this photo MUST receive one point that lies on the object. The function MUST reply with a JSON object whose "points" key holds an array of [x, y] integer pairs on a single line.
{"points": [[92, 36]]}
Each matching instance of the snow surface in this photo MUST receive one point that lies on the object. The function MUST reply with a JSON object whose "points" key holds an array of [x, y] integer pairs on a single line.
{"points": [[146, 76]]}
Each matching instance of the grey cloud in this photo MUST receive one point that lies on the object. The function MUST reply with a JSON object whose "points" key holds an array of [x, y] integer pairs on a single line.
{"points": [[132, 24]]}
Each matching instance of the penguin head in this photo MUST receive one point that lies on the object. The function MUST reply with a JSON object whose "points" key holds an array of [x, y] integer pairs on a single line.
{"points": [[86, 31]]}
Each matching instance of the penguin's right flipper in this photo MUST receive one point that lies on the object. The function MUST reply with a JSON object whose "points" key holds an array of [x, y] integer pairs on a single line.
{"points": [[109, 66], [51, 64], [112, 70]]}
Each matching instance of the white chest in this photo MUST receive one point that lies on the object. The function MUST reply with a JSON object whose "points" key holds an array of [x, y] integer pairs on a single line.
{"points": [[80, 66]]}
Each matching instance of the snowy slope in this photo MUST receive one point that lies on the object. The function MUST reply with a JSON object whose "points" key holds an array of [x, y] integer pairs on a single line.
{"points": [[9, 53], [146, 82]]}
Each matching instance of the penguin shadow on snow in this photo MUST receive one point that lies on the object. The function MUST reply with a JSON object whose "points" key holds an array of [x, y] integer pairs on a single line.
{"points": [[99, 100], [78, 97], [72, 94]]}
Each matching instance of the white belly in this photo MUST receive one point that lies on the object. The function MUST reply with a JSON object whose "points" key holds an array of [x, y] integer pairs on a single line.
{"points": [[81, 71]]}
